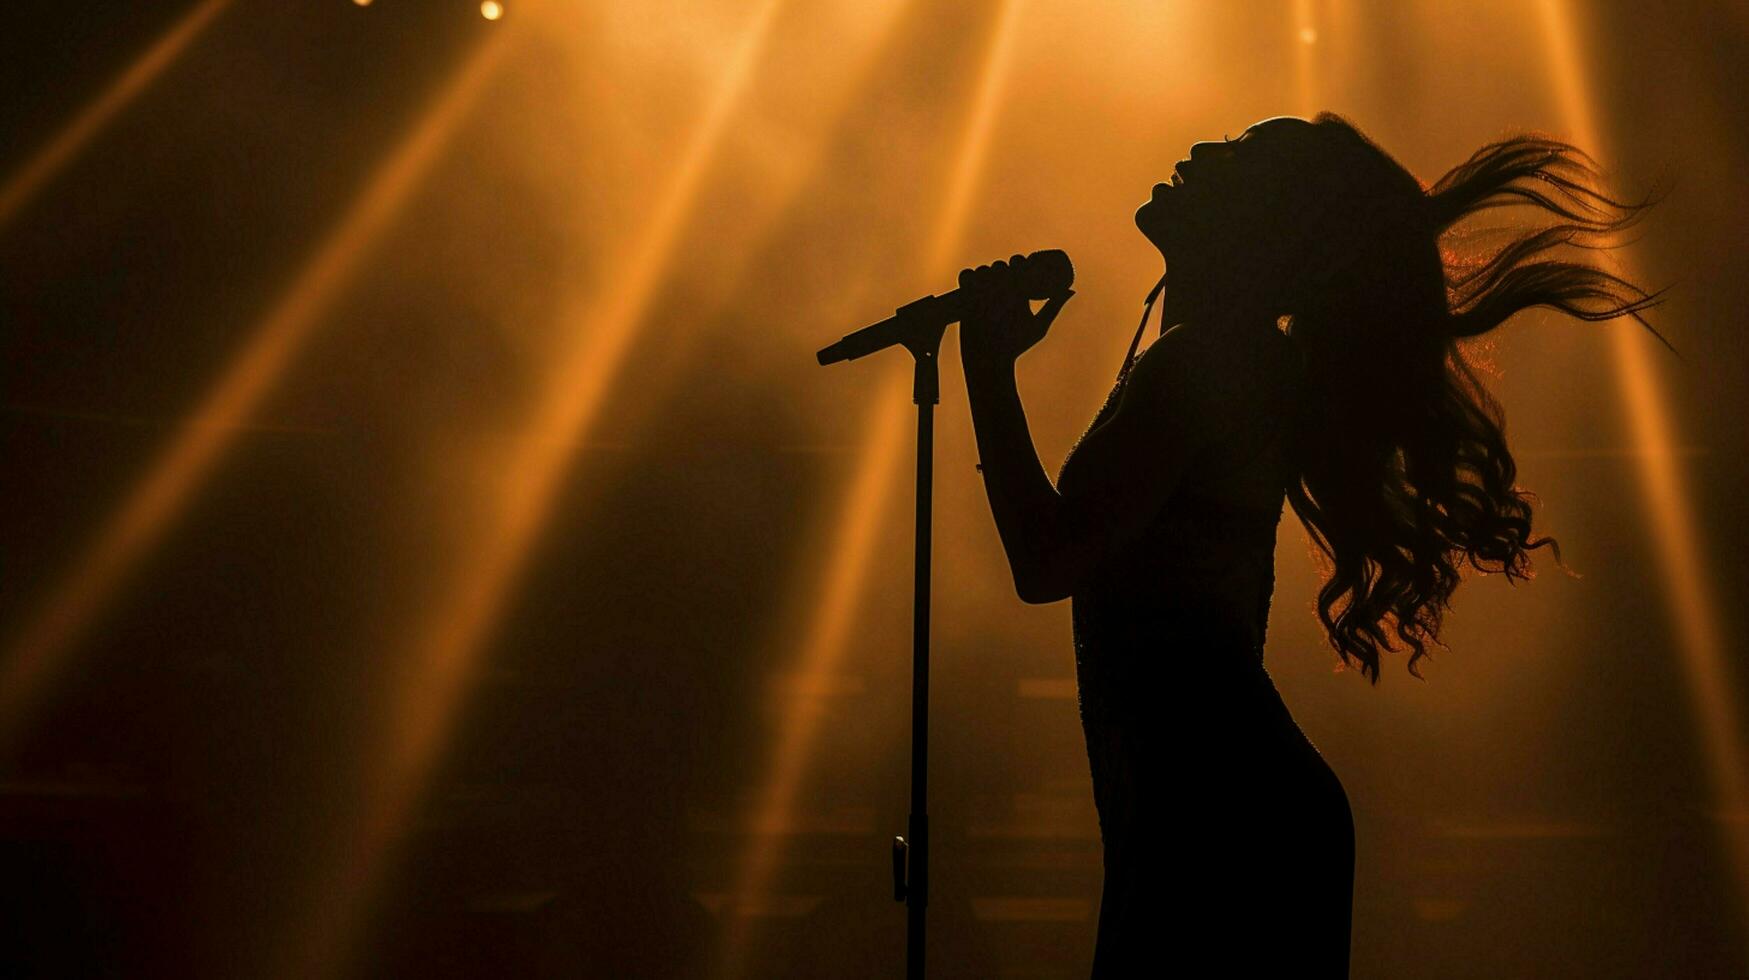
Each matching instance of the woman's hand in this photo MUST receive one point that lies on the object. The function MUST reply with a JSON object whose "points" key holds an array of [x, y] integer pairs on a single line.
{"points": [[999, 324]]}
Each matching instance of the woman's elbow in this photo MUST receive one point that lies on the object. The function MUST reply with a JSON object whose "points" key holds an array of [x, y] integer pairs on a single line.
{"points": [[1043, 571], [1039, 591]]}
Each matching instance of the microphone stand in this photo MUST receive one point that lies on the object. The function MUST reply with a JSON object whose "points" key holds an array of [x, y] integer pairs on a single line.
{"points": [[922, 333], [919, 326], [911, 853]]}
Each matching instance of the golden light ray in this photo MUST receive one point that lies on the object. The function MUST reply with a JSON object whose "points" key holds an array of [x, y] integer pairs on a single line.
{"points": [[1683, 567], [154, 503], [445, 648], [838, 591], [835, 598], [23, 185], [575, 393], [1305, 42], [969, 161], [737, 263]]}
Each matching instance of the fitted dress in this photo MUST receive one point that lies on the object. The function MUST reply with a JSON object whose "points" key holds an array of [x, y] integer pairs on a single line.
{"points": [[1228, 841]]}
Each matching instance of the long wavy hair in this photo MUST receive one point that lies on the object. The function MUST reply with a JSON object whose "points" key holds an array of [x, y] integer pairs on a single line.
{"points": [[1403, 472]]}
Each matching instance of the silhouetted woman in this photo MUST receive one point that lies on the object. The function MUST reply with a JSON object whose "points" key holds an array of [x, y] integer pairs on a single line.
{"points": [[1313, 355]]}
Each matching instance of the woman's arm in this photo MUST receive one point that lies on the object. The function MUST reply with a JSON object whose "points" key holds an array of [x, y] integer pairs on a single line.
{"points": [[1022, 498], [1126, 469]]}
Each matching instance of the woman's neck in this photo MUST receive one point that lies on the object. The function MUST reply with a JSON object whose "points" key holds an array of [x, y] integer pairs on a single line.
{"points": [[1184, 302]]}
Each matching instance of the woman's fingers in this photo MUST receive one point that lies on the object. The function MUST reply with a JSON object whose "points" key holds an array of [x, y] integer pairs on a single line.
{"points": [[993, 286], [979, 277], [1048, 312]]}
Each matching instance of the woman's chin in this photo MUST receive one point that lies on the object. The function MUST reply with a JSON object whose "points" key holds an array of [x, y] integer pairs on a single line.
{"points": [[1151, 223], [1147, 217]]}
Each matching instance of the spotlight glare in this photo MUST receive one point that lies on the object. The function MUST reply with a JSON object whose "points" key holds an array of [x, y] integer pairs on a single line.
{"points": [[491, 10]]}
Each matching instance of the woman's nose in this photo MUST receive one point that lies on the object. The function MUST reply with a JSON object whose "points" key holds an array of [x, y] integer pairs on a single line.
{"points": [[1203, 149]]}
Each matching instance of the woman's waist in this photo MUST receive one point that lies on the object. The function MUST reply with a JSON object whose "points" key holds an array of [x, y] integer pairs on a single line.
{"points": [[1177, 613], [1184, 710]]}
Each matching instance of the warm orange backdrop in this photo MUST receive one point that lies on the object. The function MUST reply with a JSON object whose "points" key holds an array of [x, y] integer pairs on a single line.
{"points": [[431, 549]]}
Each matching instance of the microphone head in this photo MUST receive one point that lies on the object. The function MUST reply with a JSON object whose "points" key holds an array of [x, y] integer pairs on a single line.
{"points": [[1046, 273]]}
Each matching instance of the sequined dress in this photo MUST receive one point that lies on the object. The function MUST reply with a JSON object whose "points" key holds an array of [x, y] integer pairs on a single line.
{"points": [[1225, 833]]}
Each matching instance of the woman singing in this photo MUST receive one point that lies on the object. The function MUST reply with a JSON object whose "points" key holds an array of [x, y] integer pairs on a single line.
{"points": [[1313, 355]]}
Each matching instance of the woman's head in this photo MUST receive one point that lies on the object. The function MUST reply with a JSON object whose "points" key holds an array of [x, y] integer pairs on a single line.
{"points": [[1402, 473], [1285, 212]]}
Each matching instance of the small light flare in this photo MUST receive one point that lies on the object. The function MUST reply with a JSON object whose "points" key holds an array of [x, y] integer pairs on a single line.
{"points": [[491, 10], [1308, 35]]}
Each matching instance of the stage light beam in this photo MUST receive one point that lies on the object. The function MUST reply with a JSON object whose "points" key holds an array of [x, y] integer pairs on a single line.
{"points": [[836, 597], [838, 590], [161, 495], [1682, 565], [1305, 58], [445, 648], [30, 178], [974, 144]]}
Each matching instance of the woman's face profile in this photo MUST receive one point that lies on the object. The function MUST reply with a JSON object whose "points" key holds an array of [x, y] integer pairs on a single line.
{"points": [[1230, 192]]}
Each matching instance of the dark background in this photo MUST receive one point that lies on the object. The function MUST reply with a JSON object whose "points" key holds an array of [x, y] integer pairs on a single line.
{"points": [[197, 789]]}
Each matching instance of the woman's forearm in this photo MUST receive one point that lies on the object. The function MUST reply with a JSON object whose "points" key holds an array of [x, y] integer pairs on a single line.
{"points": [[1022, 498]]}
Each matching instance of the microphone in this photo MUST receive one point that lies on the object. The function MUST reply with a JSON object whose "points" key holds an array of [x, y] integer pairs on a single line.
{"points": [[1043, 274]]}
